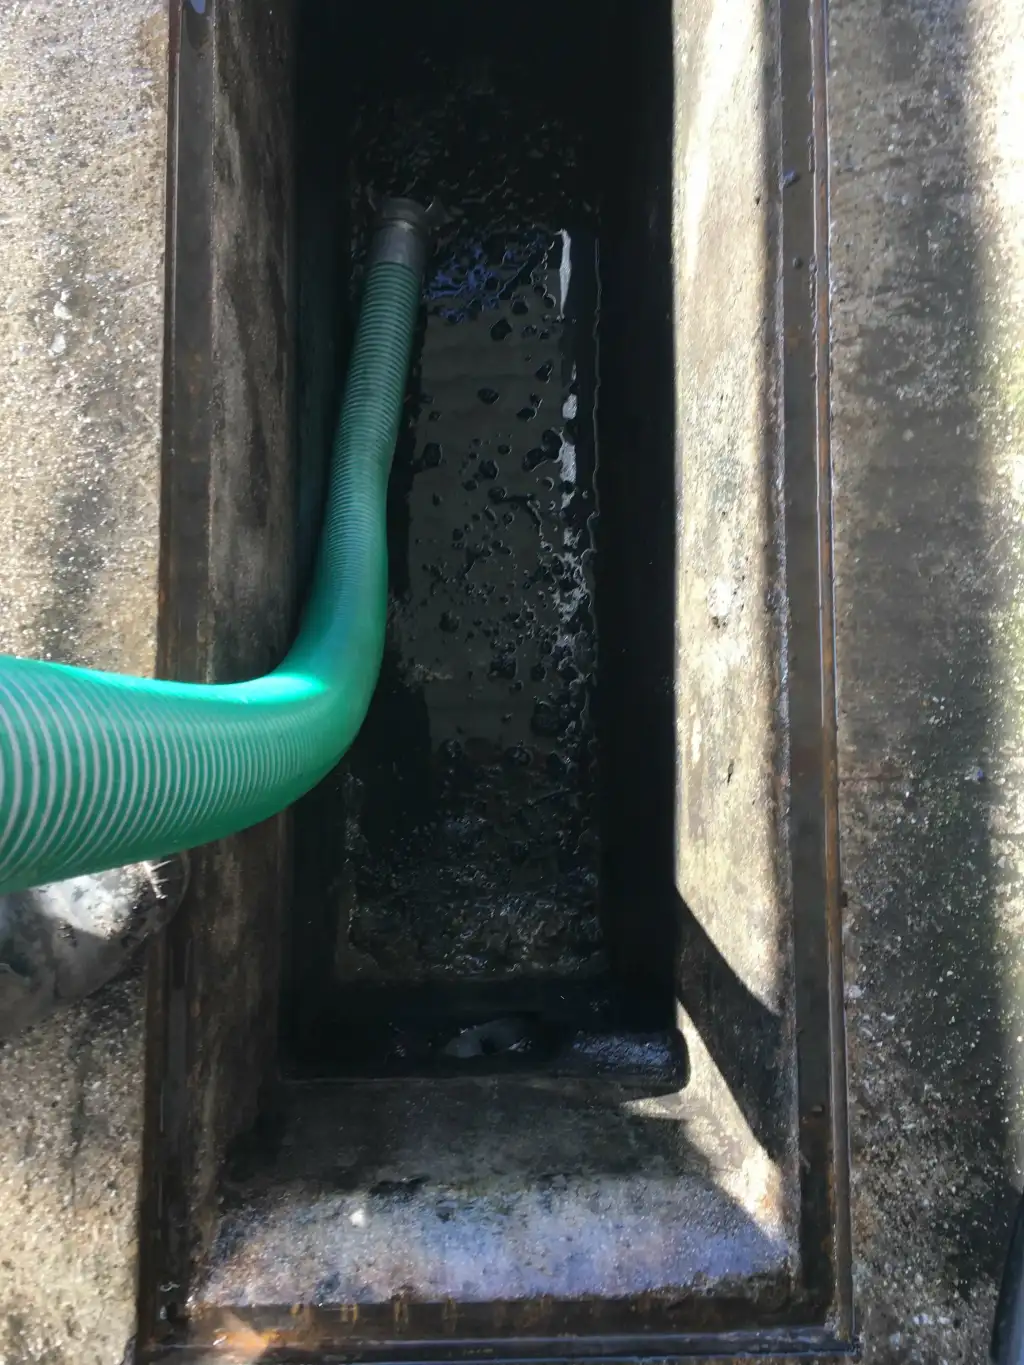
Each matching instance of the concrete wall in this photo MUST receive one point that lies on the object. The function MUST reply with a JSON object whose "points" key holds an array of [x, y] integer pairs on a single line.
{"points": [[732, 738], [82, 144], [227, 599], [728, 366]]}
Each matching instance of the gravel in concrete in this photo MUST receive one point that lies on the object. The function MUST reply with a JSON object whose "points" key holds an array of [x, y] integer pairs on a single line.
{"points": [[82, 142]]}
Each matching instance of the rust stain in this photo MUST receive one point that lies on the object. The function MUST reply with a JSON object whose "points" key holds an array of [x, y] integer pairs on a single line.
{"points": [[400, 1312], [242, 1341]]}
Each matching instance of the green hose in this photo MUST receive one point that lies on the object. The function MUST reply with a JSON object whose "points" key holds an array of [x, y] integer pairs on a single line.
{"points": [[98, 769]]}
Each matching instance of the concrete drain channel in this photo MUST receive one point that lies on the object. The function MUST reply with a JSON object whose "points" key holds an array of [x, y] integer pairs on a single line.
{"points": [[521, 1036]]}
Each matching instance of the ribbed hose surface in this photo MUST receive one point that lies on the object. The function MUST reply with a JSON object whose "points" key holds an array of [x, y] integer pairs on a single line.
{"points": [[98, 769]]}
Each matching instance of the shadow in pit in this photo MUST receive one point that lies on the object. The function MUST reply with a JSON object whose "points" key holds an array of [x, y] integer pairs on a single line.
{"points": [[917, 645], [744, 1037]]}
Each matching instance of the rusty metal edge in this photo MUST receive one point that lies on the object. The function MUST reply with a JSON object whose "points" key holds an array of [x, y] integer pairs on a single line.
{"points": [[780, 1347], [842, 1218], [814, 830]]}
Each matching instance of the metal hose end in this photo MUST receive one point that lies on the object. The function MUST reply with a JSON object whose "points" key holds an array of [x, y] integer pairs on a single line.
{"points": [[403, 234]]}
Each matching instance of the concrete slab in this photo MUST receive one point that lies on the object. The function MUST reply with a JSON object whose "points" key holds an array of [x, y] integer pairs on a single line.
{"points": [[82, 143], [928, 429]]}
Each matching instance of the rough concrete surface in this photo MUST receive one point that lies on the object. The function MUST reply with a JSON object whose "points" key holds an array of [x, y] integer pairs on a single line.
{"points": [[82, 137], [495, 1189], [727, 368], [927, 147], [729, 689]]}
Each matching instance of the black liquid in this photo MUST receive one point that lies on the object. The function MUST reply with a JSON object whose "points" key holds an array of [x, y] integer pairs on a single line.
{"points": [[499, 842], [474, 846]]}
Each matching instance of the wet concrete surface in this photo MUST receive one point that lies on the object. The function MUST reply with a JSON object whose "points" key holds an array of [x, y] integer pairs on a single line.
{"points": [[477, 767]]}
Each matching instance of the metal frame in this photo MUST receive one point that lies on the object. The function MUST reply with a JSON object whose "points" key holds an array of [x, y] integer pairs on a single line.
{"points": [[819, 1323]]}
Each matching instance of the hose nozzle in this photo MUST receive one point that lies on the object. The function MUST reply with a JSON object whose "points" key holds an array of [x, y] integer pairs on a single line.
{"points": [[404, 232]]}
